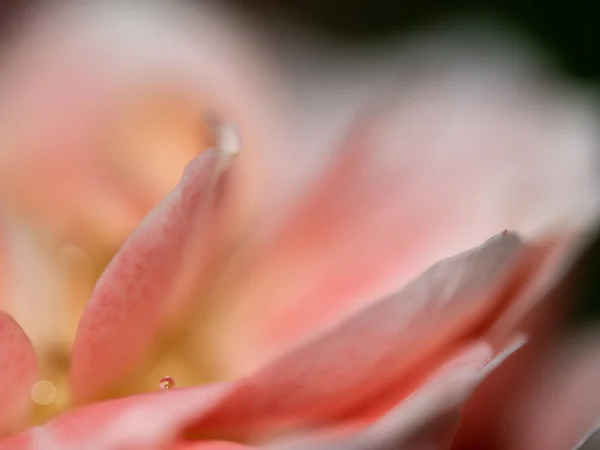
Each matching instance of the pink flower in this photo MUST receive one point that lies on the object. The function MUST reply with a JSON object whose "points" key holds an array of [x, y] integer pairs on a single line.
{"points": [[360, 307]]}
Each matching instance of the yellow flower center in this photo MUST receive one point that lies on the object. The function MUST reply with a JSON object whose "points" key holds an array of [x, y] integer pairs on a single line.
{"points": [[150, 143]]}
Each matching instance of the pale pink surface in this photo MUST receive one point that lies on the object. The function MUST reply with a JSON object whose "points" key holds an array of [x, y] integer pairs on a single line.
{"points": [[329, 379], [17, 373], [456, 159], [439, 321], [560, 400], [438, 310], [300, 298], [429, 417], [149, 420], [429, 414], [387, 347], [138, 292], [548, 399]]}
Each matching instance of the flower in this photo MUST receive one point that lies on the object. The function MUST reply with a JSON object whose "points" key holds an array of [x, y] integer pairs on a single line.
{"points": [[360, 307]]}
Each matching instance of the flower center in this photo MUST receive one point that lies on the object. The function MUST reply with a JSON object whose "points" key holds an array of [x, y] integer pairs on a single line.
{"points": [[149, 146], [154, 140], [50, 394]]}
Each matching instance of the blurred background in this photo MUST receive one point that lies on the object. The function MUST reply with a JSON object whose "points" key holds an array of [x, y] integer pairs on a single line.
{"points": [[568, 33]]}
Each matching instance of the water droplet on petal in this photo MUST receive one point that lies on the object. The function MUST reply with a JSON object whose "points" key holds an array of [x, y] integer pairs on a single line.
{"points": [[167, 383]]}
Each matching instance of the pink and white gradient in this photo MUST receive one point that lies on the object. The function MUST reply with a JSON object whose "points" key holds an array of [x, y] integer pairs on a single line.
{"points": [[369, 304]]}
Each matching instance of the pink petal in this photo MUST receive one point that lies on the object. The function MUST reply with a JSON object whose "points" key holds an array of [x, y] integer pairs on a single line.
{"points": [[146, 284], [17, 373], [152, 421], [147, 421], [545, 398], [539, 310], [388, 347], [345, 372], [458, 158], [17, 442], [429, 417], [560, 402], [355, 372]]}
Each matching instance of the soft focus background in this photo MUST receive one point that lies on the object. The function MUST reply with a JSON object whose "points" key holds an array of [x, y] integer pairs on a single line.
{"points": [[568, 33]]}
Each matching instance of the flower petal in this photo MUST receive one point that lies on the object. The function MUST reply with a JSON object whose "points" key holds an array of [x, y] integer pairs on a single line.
{"points": [[461, 155], [146, 422], [146, 284], [17, 373], [560, 403], [424, 412], [356, 371], [487, 413], [429, 417], [388, 347]]}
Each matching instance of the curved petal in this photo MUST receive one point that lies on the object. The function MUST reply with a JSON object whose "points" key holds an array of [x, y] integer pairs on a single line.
{"points": [[459, 156], [154, 421], [560, 402], [429, 417], [388, 347], [356, 371], [17, 373], [488, 412], [146, 284], [549, 399], [143, 421], [342, 373]]}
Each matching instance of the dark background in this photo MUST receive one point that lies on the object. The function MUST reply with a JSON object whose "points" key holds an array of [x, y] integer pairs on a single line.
{"points": [[569, 30]]}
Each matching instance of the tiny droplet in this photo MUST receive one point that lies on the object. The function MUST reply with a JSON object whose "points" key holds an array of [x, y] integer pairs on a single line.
{"points": [[167, 383]]}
